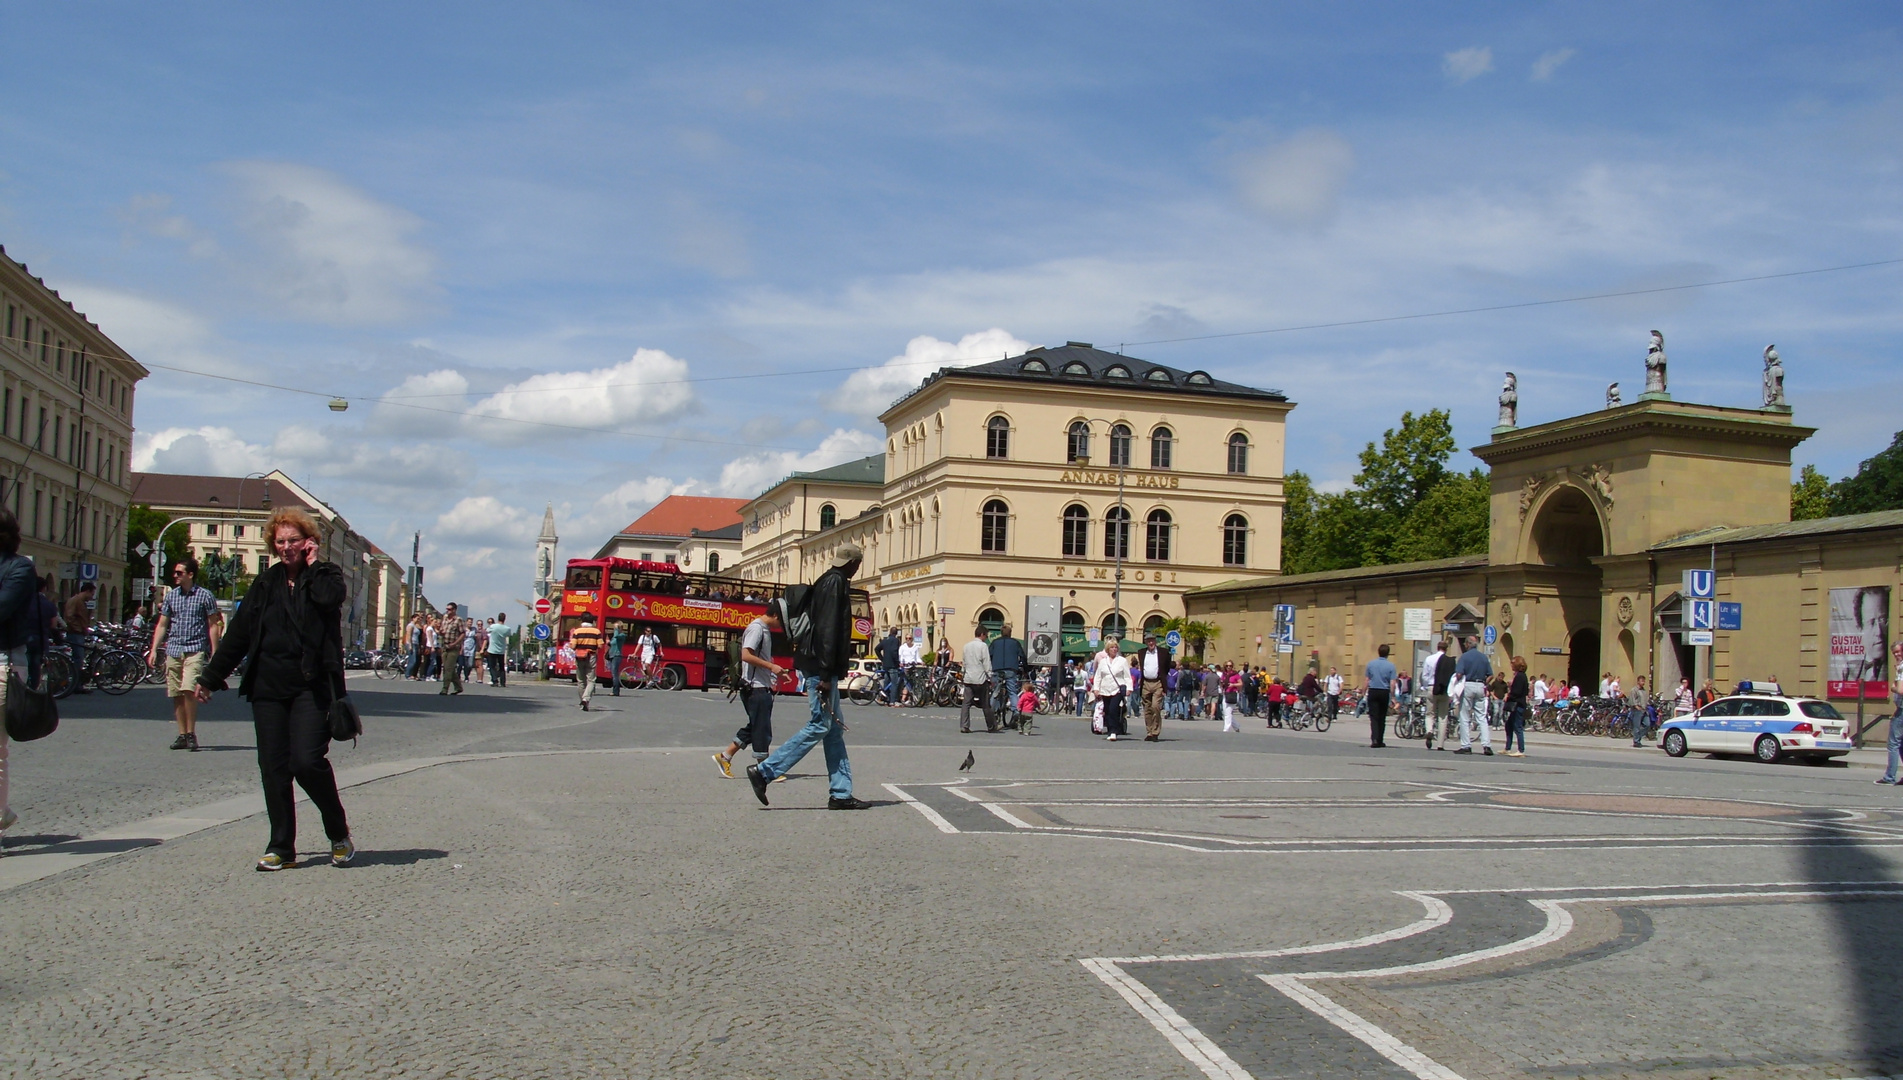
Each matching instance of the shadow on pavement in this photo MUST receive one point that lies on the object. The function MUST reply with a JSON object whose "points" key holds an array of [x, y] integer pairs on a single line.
{"points": [[1871, 948], [37, 839], [398, 857]]}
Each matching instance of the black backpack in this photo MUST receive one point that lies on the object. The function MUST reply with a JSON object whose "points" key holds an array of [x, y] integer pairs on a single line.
{"points": [[795, 608]]}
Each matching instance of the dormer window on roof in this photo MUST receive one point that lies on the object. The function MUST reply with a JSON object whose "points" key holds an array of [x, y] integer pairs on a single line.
{"points": [[1077, 367], [1116, 371], [1157, 375], [1199, 378], [1035, 366]]}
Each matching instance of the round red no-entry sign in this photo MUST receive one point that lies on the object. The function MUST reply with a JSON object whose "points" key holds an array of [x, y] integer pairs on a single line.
{"points": [[544, 606]]}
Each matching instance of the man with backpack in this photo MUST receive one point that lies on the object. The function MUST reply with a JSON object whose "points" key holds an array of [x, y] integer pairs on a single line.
{"points": [[818, 620]]}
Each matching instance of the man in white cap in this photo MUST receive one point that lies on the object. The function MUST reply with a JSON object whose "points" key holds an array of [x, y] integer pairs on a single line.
{"points": [[824, 657]]}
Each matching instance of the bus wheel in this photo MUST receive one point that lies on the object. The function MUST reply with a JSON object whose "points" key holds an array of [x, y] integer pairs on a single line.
{"points": [[673, 677]]}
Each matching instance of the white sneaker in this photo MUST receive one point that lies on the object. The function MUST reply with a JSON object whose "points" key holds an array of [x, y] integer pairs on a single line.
{"points": [[7, 818], [1110, 738]]}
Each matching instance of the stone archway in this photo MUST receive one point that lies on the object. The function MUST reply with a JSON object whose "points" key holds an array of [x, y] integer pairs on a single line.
{"points": [[1566, 530]]}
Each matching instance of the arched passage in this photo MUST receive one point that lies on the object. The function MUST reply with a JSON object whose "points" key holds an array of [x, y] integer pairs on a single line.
{"points": [[1582, 661]]}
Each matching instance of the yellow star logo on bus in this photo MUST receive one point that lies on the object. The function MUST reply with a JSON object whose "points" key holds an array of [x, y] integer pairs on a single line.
{"points": [[637, 606]]}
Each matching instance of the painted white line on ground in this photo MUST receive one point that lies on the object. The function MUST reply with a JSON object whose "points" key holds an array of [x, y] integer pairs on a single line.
{"points": [[931, 815], [1183, 1035], [1654, 888], [964, 794], [1377, 1039], [1559, 923], [1008, 817], [1439, 913]]}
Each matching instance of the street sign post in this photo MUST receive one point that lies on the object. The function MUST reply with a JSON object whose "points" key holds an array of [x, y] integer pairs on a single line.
{"points": [[1700, 614], [540, 632], [1493, 634], [1698, 637], [1284, 623], [1700, 584]]}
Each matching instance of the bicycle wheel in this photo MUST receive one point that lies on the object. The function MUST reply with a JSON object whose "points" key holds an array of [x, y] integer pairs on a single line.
{"points": [[117, 672], [57, 672], [1322, 722], [862, 693], [386, 667], [673, 678]]}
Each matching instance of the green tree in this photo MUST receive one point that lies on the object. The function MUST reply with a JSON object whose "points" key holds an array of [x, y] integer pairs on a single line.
{"points": [[1876, 485], [1411, 462], [143, 524], [1298, 518], [1810, 495], [1196, 633], [1452, 520]]}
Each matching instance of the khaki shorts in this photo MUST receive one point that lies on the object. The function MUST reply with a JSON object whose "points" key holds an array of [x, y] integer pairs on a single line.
{"points": [[182, 672]]}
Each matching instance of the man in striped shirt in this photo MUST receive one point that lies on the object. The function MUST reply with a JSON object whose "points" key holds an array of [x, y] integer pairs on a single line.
{"points": [[586, 641]]}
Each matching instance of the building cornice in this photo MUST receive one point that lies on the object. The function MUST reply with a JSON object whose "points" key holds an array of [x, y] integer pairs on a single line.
{"points": [[1771, 429]]}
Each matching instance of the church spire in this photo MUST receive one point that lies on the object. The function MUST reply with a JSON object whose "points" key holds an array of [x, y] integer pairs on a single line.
{"points": [[548, 525]]}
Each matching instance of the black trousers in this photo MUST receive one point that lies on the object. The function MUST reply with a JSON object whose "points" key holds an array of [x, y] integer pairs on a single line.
{"points": [[1113, 716], [1378, 717], [498, 670], [758, 730], [293, 741]]}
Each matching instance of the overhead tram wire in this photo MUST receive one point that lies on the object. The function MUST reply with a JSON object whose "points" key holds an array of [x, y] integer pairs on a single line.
{"points": [[403, 400]]}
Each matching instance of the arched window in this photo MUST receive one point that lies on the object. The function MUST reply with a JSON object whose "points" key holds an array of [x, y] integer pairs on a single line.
{"points": [[1078, 448], [1115, 627], [1154, 626], [998, 438], [1116, 533], [1162, 442], [991, 621], [828, 517], [1076, 532], [1235, 540], [1156, 543], [713, 562], [1120, 445], [1239, 453], [991, 534]]}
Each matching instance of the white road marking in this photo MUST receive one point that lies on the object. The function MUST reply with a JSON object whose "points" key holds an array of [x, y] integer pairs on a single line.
{"points": [[1377, 1039], [931, 815], [1559, 923], [1182, 1034], [1439, 913]]}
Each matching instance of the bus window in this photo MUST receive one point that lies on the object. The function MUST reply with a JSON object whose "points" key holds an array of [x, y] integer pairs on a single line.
{"points": [[584, 577], [621, 580], [689, 636]]}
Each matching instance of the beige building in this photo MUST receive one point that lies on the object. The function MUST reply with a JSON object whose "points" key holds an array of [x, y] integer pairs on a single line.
{"points": [[65, 434], [1040, 475], [225, 515], [1594, 520]]}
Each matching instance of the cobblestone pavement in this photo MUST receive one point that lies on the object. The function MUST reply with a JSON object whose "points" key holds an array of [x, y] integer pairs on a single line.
{"points": [[579, 895]]}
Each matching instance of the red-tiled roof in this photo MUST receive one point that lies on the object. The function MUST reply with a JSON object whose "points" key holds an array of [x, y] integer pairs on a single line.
{"points": [[679, 515], [211, 492]]}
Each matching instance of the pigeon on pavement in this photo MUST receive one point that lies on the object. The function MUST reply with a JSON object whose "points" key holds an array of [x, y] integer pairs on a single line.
{"points": [[970, 760]]}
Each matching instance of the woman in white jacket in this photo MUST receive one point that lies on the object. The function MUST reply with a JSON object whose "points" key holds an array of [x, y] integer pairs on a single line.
{"points": [[1109, 682]]}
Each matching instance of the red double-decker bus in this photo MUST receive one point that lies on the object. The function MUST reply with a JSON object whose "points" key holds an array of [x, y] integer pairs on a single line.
{"points": [[697, 617]]}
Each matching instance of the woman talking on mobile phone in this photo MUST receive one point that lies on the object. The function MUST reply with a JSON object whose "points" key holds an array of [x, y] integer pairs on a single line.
{"points": [[288, 635]]}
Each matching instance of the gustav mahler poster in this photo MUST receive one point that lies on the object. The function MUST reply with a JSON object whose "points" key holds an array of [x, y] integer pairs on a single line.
{"points": [[1860, 642]]}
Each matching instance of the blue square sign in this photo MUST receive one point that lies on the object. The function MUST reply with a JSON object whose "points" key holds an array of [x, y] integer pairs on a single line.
{"points": [[1702, 584], [1730, 616]]}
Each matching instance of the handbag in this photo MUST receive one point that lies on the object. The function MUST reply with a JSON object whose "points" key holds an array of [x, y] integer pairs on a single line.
{"points": [[31, 713], [345, 721]]}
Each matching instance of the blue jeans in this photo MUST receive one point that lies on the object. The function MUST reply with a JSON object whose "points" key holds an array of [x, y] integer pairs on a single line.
{"points": [[891, 691], [1005, 684], [824, 729], [1896, 741]]}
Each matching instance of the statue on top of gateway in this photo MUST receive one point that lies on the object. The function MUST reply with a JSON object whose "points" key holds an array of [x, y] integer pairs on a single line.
{"points": [[1655, 365], [1510, 402], [1773, 379]]}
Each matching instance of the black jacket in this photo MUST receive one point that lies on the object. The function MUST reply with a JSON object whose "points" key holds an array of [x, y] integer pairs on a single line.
{"points": [[829, 654], [889, 650], [18, 586], [1007, 654], [318, 612]]}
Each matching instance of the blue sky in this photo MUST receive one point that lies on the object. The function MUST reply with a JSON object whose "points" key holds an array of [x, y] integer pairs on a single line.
{"points": [[486, 214]]}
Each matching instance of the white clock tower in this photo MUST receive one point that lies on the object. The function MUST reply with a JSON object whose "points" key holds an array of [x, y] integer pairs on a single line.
{"points": [[548, 575]]}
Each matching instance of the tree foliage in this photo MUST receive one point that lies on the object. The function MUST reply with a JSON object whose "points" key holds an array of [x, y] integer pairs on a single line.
{"points": [[1405, 505], [1810, 495], [1876, 485], [143, 524], [1196, 633]]}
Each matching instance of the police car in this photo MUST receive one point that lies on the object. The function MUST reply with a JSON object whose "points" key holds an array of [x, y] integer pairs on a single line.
{"points": [[1769, 727]]}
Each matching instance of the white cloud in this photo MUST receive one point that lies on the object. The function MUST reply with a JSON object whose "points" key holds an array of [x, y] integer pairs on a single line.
{"points": [[203, 451], [869, 392], [486, 520], [612, 512], [1297, 182], [1550, 62], [745, 477], [430, 404], [334, 254], [649, 386], [1466, 65]]}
